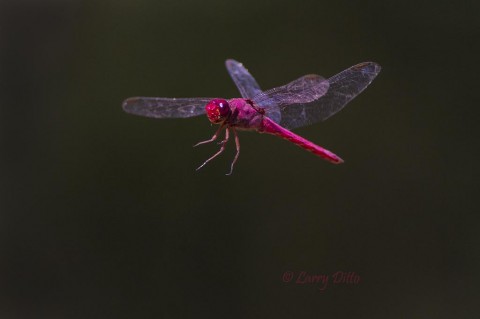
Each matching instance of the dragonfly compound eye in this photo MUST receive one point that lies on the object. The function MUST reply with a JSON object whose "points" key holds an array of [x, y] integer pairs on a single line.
{"points": [[217, 110]]}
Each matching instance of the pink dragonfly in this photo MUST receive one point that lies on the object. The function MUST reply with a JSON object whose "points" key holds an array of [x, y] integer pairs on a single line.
{"points": [[305, 101]]}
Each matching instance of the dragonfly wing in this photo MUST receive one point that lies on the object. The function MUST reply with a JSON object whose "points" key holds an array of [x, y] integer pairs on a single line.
{"points": [[159, 107], [248, 87], [306, 89], [244, 81], [303, 90], [343, 87]]}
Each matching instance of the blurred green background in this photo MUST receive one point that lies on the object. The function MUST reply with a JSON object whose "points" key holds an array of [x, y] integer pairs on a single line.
{"points": [[103, 215]]}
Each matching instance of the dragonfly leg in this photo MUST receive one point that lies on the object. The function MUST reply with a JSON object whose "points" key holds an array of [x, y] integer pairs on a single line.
{"points": [[237, 144], [214, 137], [225, 140]]}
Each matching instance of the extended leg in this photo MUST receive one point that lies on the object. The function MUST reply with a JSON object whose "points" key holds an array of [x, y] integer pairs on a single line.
{"points": [[214, 137], [237, 144], [227, 133]]}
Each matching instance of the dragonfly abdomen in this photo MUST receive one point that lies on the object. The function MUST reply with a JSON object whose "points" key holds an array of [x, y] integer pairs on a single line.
{"points": [[273, 128]]}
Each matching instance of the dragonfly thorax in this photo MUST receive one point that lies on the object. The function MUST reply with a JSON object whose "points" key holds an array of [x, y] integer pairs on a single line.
{"points": [[218, 110]]}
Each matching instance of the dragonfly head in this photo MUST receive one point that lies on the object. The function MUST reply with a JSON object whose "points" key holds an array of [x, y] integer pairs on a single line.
{"points": [[218, 110]]}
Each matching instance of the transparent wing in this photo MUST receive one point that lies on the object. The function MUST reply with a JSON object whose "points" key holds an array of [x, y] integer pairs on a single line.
{"points": [[159, 107], [303, 90], [244, 81], [343, 87], [306, 89]]}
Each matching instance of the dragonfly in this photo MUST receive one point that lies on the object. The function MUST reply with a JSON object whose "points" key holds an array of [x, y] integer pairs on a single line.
{"points": [[304, 101]]}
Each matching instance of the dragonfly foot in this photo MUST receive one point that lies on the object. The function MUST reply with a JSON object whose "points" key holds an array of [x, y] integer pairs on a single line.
{"points": [[237, 144], [222, 148]]}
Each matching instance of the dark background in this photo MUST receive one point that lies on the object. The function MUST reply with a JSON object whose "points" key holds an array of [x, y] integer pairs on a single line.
{"points": [[103, 215]]}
